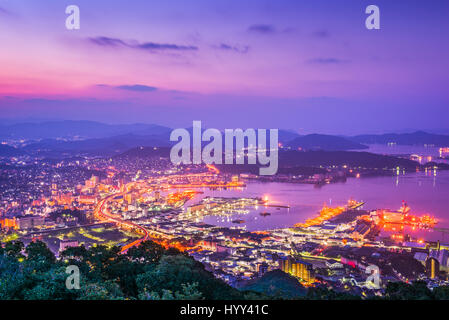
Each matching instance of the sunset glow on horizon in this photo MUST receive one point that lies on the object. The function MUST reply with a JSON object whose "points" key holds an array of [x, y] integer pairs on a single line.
{"points": [[307, 59]]}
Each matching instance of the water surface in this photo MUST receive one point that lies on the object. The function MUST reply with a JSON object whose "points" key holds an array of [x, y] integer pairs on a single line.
{"points": [[425, 193]]}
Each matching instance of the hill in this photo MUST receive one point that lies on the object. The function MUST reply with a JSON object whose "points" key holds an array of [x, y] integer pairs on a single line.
{"points": [[277, 284], [310, 162], [8, 151], [324, 142], [286, 136], [145, 152], [415, 138], [349, 158], [95, 147], [80, 129]]}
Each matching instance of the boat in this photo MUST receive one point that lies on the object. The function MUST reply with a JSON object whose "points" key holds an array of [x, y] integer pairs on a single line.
{"points": [[238, 221], [403, 217], [264, 214]]}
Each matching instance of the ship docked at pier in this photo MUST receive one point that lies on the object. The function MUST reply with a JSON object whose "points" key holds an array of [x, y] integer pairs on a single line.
{"points": [[403, 217], [328, 213]]}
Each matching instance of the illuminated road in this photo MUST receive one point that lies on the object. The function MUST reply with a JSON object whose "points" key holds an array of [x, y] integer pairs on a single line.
{"points": [[102, 213]]}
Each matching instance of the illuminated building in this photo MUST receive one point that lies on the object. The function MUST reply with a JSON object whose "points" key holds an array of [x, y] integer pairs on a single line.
{"points": [[262, 268], [9, 223], [29, 222], [209, 244], [92, 182], [390, 216], [195, 208], [67, 243], [432, 268], [297, 268], [65, 199], [442, 256], [361, 229], [349, 262], [95, 180], [129, 197], [36, 203], [444, 151], [54, 189], [85, 199]]}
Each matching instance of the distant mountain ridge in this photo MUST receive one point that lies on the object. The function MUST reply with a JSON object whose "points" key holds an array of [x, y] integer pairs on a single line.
{"points": [[69, 138], [82, 129], [118, 144], [97, 147], [325, 142], [414, 138]]}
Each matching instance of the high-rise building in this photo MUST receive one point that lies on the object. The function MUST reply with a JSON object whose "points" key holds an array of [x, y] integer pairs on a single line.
{"points": [[29, 222], [297, 268], [432, 268], [262, 268], [67, 243], [54, 189], [95, 180]]}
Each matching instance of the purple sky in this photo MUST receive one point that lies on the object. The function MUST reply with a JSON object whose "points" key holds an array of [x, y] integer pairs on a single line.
{"points": [[310, 66]]}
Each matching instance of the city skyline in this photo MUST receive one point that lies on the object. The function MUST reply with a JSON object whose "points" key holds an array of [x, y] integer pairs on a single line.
{"points": [[234, 157], [310, 67]]}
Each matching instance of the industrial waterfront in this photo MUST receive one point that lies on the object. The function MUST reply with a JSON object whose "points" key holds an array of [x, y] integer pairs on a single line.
{"points": [[425, 193]]}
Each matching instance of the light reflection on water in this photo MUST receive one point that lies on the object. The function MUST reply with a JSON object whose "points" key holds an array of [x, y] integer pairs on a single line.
{"points": [[406, 150], [425, 194]]}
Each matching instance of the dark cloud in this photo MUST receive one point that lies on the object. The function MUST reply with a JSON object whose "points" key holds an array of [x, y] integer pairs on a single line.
{"points": [[262, 28], [110, 42], [133, 87], [164, 46], [327, 61], [137, 87], [227, 47], [270, 29], [149, 46]]}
